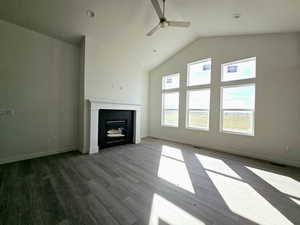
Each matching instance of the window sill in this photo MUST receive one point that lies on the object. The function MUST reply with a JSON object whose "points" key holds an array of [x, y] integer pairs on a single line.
{"points": [[197, 129], [168, 126], [237, 133]]}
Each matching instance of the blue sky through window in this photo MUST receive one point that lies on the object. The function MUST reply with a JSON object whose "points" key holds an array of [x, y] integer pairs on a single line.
{"points": [[199, 73], [244, 69], [170, 81], [239, 97]]}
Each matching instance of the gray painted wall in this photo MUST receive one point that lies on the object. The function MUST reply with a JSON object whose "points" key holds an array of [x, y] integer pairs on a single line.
{"points": [[39, 81], [277, 124], [112, 74]]}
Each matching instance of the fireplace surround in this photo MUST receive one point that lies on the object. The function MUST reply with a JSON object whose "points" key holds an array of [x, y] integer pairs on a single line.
{"points": [[95, 106]]}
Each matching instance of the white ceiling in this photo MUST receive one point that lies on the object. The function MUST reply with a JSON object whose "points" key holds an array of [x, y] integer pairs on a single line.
{"points": [[122, 24]]}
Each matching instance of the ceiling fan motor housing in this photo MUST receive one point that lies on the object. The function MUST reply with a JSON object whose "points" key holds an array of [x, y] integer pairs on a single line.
{"points": [[163, 22]]}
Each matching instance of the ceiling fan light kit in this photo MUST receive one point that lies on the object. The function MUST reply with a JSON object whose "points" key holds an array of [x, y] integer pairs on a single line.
{"points": [[163, 22]]}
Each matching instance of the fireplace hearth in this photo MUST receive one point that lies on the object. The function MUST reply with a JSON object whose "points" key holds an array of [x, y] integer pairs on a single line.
{"points": [[115, 127]]}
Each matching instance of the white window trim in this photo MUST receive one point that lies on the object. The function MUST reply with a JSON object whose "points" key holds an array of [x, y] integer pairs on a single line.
{"points": [[169, 91], [187, 110], [235, 62], [252, 134], [188, 72]]}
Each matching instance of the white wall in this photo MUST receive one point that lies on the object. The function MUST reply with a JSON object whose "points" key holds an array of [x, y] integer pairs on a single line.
{"points": [[277, 95], [113, 75], [39, 81]]}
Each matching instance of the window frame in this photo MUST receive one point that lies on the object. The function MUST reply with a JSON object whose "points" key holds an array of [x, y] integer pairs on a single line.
{"points": [[252, 134], [188, 72], [235, 62], [169, 91], [187, 126]]}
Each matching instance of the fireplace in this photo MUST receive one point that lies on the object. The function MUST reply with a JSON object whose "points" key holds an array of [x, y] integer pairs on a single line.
{"points": [[115, 127], [93, 142]]}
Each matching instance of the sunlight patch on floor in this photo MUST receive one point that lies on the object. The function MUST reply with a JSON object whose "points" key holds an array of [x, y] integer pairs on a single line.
{"points": [[243, 200], [216, 165], [239, 196], [171, 152], [173, 169], [297, 201], [164, 210], [282, 183]]}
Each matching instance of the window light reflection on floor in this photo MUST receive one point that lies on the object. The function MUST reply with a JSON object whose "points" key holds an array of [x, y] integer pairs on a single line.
{"points": [[171, 152], [282, 183], [297, 201], [216, 165], [239, 196], [164, 210], [173, 169]]}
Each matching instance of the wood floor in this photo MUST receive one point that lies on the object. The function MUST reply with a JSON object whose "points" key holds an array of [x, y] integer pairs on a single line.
{"points": [[156, 182]]}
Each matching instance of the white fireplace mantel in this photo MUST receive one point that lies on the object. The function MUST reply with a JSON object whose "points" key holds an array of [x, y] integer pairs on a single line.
{"points": [[95, 106]]}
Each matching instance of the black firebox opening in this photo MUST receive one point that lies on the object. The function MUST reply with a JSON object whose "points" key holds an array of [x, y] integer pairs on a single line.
{"points": [[115, 127]]}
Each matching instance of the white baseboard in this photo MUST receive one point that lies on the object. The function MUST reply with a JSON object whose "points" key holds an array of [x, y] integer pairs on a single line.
{"points": [[145, 137], [249, 155], [33, 155]]}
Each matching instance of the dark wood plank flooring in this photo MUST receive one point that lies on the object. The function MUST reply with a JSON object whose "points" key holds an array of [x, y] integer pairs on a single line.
{"points": [[128, 185]]}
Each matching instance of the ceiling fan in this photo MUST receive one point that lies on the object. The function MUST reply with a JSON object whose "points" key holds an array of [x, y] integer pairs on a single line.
{"points": [[163, 22]]}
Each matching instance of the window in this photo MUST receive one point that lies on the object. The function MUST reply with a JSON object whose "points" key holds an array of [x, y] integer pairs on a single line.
{"points": [[239, 70], [170, 100], [238, 99], [198, 94], [198, 102], [199, 72], [170, 82], [170, 109]]}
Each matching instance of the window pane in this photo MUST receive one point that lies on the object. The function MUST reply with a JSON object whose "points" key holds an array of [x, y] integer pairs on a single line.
{"points": [[241, 97], [199, 99], [238, 121], [199, 73], [198, 108], [171, 100], [199, 119], [170, 108], [171, 81], [244, 69], [171, 117]]}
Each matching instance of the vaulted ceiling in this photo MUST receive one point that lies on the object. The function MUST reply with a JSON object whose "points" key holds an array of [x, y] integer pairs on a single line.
{"points": [[122, 24]]}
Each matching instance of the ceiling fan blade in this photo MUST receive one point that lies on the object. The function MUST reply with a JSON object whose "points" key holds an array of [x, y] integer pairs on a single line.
{"points": [[179, 23], [153, 30], [157, 9]]}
